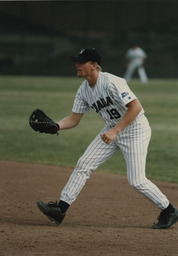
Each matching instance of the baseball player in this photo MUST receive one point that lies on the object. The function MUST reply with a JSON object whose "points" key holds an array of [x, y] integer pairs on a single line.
{"points": [[135, 57], [126, 130]]}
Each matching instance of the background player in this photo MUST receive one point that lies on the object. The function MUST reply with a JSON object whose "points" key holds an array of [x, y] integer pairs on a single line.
{"points": [[135, 58], [127, 129]]}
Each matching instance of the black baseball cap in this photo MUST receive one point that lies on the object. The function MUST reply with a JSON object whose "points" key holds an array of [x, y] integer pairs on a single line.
{"points": [[87, 54]]}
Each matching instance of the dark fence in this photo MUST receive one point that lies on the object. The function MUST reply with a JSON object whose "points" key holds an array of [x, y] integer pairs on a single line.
{"points": [[37, 38]]}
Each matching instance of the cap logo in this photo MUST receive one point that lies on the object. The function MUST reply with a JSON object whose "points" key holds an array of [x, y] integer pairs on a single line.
{"points": [[82, 51]]}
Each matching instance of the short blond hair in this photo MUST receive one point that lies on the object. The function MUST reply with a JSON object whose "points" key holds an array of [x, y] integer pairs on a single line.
{"points": [[99, 68]]}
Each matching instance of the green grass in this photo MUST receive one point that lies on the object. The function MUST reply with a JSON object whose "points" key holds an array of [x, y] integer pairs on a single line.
{"points": [[19, 96]]}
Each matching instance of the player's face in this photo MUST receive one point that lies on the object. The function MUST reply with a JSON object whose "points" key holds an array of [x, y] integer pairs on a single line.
{"points": [[84, 69]]}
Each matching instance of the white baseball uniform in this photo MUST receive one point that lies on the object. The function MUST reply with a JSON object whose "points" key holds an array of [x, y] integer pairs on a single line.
{"points": [[136, 57], [109, 98]]}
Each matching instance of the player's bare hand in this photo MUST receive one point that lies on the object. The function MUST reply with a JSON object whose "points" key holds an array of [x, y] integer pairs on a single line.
{"points": [[108, 136]]}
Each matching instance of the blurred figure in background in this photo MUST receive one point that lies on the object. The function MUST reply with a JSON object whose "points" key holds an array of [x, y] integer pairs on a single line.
{"points": [[135, 58]]}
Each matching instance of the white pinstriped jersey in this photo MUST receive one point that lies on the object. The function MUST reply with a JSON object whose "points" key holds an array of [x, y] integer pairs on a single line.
{"points": [[108, 98]]}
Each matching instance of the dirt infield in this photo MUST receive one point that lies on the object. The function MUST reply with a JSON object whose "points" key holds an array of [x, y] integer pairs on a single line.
{"points": [[108, 218]]}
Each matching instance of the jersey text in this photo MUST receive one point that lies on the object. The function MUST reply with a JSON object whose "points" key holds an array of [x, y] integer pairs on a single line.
{"points": [[102, 103]]}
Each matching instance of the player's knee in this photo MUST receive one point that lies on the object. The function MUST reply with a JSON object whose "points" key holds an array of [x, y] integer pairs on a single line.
{"points": [[139, 186], [83, 167]]}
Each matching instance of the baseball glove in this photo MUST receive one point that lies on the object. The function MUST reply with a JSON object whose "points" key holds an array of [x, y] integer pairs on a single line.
{"points": [[40, 122]]}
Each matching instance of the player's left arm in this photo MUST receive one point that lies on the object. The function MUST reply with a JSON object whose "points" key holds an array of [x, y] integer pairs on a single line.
{"points": [[134, 108], [70, 121]]}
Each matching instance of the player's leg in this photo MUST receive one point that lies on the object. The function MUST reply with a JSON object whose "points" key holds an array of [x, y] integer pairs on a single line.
{"points": [[135, 156], [96, 154], [142, 75], [135, 152], [129, 72]]}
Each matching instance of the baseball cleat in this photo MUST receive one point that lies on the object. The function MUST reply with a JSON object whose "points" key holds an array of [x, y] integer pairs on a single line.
{"points": [[166, 220], [52, 211]]}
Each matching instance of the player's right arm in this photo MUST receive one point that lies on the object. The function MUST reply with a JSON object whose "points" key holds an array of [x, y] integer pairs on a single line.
{"points": [[70, 121]]}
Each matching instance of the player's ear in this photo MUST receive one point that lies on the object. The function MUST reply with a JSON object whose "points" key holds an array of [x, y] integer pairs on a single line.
{"points": [[94, 64]]}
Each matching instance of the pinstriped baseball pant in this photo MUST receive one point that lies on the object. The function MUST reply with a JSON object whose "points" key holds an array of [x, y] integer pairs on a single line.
{"points": [[133, 142]]}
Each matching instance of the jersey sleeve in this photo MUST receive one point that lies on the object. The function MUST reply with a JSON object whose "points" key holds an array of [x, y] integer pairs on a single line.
{"points": [[121, 92], [80, 106]]}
